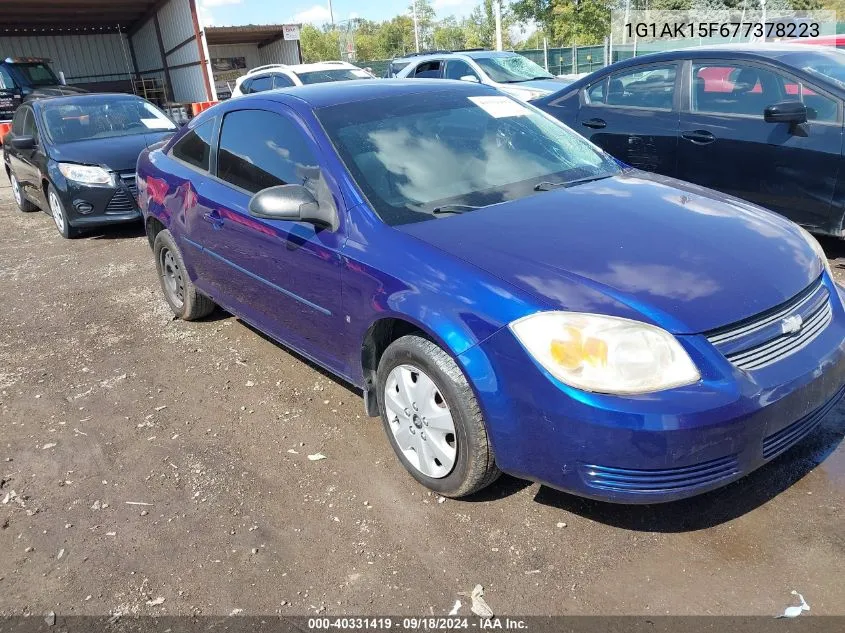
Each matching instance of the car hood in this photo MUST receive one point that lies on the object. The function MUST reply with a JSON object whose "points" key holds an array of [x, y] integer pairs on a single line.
{"points": [[118, 153], [547, 85], [684, 257]]}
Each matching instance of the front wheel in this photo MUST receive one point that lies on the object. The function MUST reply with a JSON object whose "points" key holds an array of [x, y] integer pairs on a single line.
{"points": [[432, 418], [182, 295], [57, 211], [23, 204]]}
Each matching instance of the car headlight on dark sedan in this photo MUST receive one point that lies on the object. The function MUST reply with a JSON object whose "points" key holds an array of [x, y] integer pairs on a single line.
{"points": [[605, 354], [86, 174]]}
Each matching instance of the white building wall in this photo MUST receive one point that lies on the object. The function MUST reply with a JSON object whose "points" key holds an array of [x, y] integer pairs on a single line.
{"points": [[86, 58], [176, 25], [280, 52]]}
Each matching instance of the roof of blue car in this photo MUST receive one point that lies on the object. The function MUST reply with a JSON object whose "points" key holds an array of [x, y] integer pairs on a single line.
{"points": [[337, 92]]}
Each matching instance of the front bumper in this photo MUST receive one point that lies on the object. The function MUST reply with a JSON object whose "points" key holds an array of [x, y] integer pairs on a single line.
{"points": [[91, 206], [656, 447]]}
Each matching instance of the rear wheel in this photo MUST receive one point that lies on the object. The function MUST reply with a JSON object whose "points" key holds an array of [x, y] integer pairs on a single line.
{"points": [[57, 211], [432, 418], [182, 295], [23, 204]]}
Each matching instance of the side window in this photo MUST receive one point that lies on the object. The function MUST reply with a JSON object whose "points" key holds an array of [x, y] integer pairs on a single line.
{"points": [[739, 89], [819, 107], [19, 121], [195, 147], [260, 149], [6, 81], [428, 69], [457, 68], [260, 84], [595, 93], [245, 86], [29, 127], [649, 87], [282, 81]]}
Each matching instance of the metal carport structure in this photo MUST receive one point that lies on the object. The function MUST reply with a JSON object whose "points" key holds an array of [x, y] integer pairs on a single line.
{"points": [[108, 44]]}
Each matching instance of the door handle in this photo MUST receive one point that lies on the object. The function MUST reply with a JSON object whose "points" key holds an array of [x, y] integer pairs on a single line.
{"points": [[213, 218], [699, 137], [596, 124]]}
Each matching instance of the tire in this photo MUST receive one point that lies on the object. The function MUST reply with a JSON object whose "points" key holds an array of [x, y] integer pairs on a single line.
{"points": [[59, 215], [23, 204], [187, 303], [419, 433]]}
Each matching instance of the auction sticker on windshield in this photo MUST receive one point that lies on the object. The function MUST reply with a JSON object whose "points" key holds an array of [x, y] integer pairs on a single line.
{"points": [[500, 107]]}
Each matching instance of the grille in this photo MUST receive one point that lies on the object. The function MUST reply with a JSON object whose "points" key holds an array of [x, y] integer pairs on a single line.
{"points": [[669, 479], [761, 341], [777, 443], [121, 201]]}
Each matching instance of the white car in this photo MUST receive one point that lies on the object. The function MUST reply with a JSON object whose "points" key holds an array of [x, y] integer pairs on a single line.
{"points": [[509, 72], [283, 76]]}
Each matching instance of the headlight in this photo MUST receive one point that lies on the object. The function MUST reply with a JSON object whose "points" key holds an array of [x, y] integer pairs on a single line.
{"points": [[86, 174], [814, 244], [605, 354]]}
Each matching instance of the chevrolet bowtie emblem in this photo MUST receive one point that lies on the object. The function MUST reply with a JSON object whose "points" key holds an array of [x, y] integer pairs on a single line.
{"points": [[791, 325]]}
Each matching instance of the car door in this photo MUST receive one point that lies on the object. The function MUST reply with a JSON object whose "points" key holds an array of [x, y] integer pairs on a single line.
{"points": [[281, 80], [633, 114], [460, 70], [726, 144], [281, 276], [10, 95], [261, 84], [430, 69], [23, 161]]}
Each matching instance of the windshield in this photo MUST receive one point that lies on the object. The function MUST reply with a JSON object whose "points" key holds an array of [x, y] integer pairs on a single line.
{"points": [[449, 152], [91, 118], [510, 69], [339, 74], [37, 74]]}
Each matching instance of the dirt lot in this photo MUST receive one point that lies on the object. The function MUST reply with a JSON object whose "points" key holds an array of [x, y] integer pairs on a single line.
{"points": [[154, 459]]}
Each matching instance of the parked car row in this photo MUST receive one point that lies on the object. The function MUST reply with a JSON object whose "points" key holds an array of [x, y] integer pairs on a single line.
{"points": [[508, 296], [760, 122]]}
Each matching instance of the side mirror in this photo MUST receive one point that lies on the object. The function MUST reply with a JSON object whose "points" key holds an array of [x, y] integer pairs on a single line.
{"points": [[23, 142], [470, 78], [786, 112], [293, 203]]}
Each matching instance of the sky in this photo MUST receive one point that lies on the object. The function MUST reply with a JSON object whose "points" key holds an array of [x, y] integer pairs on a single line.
{"points": [[235, 12]]}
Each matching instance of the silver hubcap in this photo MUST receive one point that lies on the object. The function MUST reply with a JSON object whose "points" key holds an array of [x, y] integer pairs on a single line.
{"points": [[16, 190], [421, 421], [58, 214], [171, 274]]}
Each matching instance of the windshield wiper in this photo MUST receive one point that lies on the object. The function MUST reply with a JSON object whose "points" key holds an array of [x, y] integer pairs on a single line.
{"points": [[546, 185], [454, 208]]}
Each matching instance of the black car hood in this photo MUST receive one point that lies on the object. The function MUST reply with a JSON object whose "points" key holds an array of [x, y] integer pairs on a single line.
{"points": [[118, 153]]}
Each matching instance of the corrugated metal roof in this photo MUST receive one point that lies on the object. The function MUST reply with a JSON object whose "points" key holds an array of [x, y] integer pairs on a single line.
{"points": [[65, 17], [247, 34]]}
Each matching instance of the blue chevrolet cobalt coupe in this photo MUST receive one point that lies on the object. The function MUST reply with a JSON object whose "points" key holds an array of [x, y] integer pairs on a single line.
{"points": [[507, 296]]}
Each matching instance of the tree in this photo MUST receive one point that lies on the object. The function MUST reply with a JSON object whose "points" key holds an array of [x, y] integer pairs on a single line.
{"points": [[319, 44], [480, 26], [425, 22], [449, 35]]}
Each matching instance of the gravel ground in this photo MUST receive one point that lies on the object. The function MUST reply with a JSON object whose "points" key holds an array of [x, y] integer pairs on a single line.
{"points": [[151, 466]]}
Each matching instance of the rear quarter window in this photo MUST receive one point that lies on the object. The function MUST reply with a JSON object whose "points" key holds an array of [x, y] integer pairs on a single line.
{"points": [[195, 147]]}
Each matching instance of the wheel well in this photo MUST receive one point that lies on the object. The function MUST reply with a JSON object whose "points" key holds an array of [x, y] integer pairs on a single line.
{"points": [[379, 337], [154, 226], [45, 185]]}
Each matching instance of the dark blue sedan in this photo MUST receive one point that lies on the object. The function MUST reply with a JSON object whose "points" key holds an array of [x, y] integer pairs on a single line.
{"points": [[761, 122], [506, 295], [74, 157]]}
